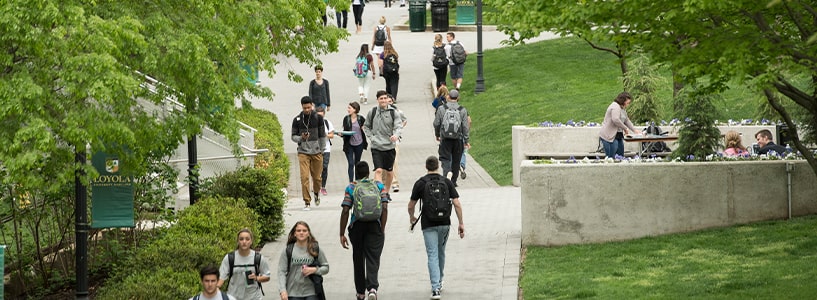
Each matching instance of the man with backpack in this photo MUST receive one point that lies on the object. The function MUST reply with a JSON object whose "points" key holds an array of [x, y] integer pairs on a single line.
{"points": [[438, 197], [368, 201], [451, 127], [209, 283], [383, 129], [456, 56]]}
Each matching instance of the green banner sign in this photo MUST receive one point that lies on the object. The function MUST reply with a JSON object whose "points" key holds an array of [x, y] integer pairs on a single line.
{"points": [[111, 193]]}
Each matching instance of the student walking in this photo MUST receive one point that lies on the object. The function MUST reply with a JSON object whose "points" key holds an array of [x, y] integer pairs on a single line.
{"points": [[381, 35], [456, 56], [357, 10], [309, 133], [209, 284], [364, 65], [327, 150], [342, 13], [383, 129], [438, 196], [390, 68], [354, 143], [395, 183], [244, 269], [319, 90], [300, 259], [439, 60], [368, 201], [452, 131]]}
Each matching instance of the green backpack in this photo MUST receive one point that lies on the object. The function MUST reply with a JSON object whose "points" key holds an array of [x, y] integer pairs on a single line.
{"points": [[366, 206]]}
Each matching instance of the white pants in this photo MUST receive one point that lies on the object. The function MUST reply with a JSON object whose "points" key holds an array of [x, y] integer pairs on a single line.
{"points": [[363, 84]]}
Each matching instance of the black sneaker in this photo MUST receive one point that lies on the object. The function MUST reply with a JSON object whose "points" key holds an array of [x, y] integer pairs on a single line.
{"points": [[317, 199], [462, 173], [435, 294]]}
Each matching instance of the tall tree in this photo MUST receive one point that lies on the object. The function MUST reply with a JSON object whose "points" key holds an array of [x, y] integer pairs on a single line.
{"points": [[767, 45]]}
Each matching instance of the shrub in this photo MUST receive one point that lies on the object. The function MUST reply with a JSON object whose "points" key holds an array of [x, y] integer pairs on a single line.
{"points": [[167, 268], [259, 188], [269, 136], [698, 136]]}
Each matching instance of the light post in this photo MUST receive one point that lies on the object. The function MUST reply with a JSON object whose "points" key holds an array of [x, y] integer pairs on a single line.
{"points": [[480, 85]]}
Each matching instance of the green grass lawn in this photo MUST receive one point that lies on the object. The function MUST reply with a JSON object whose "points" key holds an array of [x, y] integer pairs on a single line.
{"points": [[556, 80], [771, 260]]}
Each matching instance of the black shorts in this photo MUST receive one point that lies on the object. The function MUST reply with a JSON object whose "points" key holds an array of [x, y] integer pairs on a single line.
{"points": [[383, 159]]}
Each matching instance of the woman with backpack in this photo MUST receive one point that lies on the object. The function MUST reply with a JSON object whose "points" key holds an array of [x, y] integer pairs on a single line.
{"points": [[363, 66], [244, 269], [381, 35], [390, 69], [439, 59], [355, 143], [301, 259]]}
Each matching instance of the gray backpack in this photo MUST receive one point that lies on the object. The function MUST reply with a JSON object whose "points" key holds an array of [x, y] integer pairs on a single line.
{"points": [[366, 206], [451, 123]]}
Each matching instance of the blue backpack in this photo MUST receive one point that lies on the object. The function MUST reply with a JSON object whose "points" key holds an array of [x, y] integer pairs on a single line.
{"points": [[361, 66]]}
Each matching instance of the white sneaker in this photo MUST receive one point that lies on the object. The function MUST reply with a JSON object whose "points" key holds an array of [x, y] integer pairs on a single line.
{"points": [[306, 208], [371, 295], [436, 294]]}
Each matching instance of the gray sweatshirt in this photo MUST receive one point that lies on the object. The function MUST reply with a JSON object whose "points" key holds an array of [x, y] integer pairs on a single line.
{"points": [[380, 126], [316, 140], [465, 130], [290, 278]]}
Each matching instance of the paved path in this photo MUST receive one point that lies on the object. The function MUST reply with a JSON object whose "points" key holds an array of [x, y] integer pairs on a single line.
{"points": [[483, 265]]}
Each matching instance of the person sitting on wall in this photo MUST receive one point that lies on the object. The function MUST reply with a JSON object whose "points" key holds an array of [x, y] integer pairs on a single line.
{"points": [[764, 140]]}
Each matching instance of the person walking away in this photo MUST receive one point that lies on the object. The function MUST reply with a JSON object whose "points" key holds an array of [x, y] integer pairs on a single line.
{"points": [[381, 35], [244, 269], [452, 131], [209, 284], [327, 150], [442, 96], [355, 143], [467, 147], [456, 56], [395, 183], [615, 126], [364, 64], [439, 60], [319, 89], [368, 201], [309, 133], [300, 259], [438, 197], [357, 10], [383, 129], [342, 13], [390, 68]]}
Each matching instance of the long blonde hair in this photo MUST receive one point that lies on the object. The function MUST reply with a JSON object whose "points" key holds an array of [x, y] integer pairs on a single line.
{"points": [[438, 40], [389, 49], [733, 140], [442, 91]]}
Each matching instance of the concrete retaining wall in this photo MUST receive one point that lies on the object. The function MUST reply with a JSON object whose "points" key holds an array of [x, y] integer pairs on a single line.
{"points": [[527, 140], [591, 203]]}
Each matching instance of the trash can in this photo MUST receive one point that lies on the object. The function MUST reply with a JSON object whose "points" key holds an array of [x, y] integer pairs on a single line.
{"points": [[417, 16], [465, 12], [439, 15]]}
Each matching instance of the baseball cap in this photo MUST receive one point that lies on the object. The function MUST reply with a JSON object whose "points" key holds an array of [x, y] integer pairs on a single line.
{"points": [[453, 94]]}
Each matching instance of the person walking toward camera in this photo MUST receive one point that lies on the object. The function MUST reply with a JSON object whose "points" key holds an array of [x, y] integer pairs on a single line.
{"points": [[244, 269], [327, 150], [452, 131], [309, 133], [383, 129], [301, 259], [354, 143], [209, 283], [438, 197], [319, 90], [368, 202], [357, 10]]}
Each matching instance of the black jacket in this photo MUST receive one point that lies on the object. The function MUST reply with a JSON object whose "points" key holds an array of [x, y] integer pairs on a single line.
{"points": [[347, 126]]}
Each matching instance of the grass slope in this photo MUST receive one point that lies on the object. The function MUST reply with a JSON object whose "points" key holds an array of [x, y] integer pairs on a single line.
{"points": [[556, 80], [770, 260]]}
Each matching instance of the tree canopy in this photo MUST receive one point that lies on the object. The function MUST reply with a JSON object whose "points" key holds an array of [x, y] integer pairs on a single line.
{"points": [[73, 73], [766, 45]]}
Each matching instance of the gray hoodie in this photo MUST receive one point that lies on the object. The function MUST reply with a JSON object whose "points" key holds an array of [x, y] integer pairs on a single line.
{"points": [[316, 140], [380, 126]]}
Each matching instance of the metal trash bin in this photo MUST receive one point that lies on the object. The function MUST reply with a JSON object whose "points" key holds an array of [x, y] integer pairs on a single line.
{"points": [[417, 16], [439, 15], [465, 12]]}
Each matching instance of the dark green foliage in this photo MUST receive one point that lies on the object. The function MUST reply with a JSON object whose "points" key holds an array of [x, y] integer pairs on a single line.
{"points": [[643, 81], [269, 136], [698, 136], [262, 191], [167, 268]]}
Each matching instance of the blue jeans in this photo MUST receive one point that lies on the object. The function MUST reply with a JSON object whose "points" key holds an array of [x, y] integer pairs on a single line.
{"points": [[352, 158], [435, 239], [613, 148]]}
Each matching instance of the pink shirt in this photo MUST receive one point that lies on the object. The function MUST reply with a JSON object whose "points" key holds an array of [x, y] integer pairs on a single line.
{"points": [[732, 152]]}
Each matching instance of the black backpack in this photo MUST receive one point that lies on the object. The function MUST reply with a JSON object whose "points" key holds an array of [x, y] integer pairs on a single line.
{"points": [[458, 54], [223, 296], [380, 36], [256, 263], [390, 64], [656, 146], [439, 60], [436, 204]]}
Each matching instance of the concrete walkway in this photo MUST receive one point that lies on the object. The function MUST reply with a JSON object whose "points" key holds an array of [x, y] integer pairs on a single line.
{"points": [[483, 265]]}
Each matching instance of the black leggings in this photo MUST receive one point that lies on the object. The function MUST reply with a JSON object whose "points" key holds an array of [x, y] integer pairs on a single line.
{"points": [[392, 81], [358, 11], [440, 73]]}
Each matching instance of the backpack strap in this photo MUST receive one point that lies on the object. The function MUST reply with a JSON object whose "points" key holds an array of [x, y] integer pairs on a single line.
{"points": [[196, 297], [231, 260], [257, 264], [224, 296]]}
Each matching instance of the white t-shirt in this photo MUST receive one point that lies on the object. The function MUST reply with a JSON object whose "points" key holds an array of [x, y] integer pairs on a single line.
{"points": [[238, 286], [329, 128], [217, 297]]}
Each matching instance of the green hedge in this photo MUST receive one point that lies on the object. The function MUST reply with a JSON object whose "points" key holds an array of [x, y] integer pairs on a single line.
{"points": [[269, 136], [167, 268]]}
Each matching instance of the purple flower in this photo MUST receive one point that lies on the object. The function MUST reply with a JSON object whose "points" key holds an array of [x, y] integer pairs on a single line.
{"points": [[690, 157], [571, 160]]}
